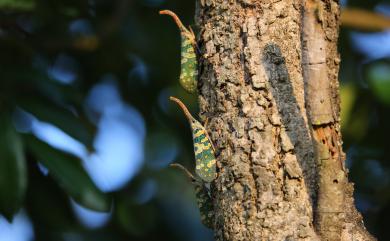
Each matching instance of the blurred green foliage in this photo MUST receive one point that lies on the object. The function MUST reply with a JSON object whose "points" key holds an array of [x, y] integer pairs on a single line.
{"points": [[53, 54], [365, 92], [13, 178], [379, 80], [19, 5]]}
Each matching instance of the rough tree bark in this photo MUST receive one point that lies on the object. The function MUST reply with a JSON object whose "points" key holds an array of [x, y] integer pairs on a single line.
{"points": [[268, 86]]}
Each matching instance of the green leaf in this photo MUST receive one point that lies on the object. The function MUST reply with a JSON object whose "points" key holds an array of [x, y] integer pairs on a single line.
{"points": [[17, 4], [70, 175], [60, 117], [13, 174], [47, 204], [136, 219], [379, 78], [348, 95]]}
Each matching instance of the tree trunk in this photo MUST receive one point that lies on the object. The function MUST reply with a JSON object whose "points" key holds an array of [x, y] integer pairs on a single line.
{"points": [[268, 86]]}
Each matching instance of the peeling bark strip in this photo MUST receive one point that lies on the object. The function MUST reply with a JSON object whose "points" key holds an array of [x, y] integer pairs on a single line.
{"points": [[336, 217], [329, 212], [252, 89], [315, 69]]}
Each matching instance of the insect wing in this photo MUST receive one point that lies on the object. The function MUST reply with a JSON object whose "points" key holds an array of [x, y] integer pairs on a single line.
{"points": [[189, 71], [204, 156]]}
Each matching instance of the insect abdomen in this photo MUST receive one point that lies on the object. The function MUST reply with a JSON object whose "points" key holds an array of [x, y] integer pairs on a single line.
{"points": [[205, 204]]}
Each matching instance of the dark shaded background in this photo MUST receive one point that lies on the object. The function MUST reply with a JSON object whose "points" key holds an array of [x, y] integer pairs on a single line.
{"points": [[92, 79]]}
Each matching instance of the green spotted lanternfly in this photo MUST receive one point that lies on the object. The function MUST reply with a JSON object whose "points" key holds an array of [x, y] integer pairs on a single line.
{"points": [[205, 167], [189, 66], [205, 161]]}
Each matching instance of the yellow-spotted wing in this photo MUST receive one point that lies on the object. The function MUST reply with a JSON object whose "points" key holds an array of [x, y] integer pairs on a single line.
{"points": [[205, 159], [189, 64]]}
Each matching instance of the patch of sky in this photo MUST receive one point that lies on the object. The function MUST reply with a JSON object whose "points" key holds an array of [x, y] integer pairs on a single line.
{"points": [[57, 138], [103, 98], [81, 27], [119, 152], [20, 229], [119, 142], [88, 218], [383, 8], [64, 69], [372, 45]]}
